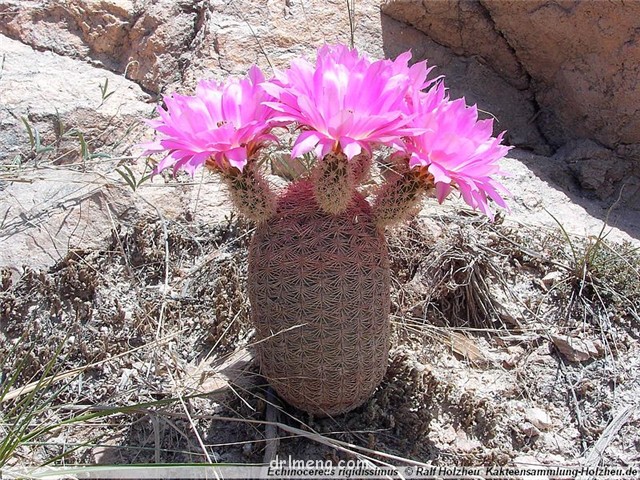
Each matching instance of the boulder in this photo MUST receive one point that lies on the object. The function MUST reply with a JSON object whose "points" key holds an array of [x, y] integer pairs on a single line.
{"points": [[494, 95], [56, 199], [576, 64], [167, 44], [51, 211], [147, 41], [62, 98], [581, 60]]}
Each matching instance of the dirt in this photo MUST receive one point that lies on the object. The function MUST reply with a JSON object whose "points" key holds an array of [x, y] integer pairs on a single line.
{"points": [[475, 376]]}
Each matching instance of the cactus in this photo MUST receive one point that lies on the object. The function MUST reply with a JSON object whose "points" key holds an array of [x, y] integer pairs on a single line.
{"points": [[399, 198], [318, 276], [250, 192], [319, 290], [333, 183]]}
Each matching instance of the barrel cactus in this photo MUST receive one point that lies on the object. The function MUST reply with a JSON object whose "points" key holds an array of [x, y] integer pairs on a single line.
{"points": [[319, 280]]}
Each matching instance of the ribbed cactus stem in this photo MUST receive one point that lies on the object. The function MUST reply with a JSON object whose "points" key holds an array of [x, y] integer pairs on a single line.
{"points": [[333, 183], [250, 192], [319, 290], [399, 198]]}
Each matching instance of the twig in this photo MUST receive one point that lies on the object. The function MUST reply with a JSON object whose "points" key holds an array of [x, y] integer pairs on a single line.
{"points": [[156, 437], [270, 430], [576, 405], [594, 455], [253, 33], [191, 422], [351, 10], [119, 241]]}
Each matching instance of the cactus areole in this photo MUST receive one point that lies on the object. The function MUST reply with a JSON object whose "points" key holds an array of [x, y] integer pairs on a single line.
{"points": [[319, 281]]}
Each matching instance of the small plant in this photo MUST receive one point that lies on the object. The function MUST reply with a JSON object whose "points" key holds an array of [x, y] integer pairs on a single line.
{"points": [[105, 92], [602, 275], [127, 174], [86, 153], [35, 141], [319, 275], [23, 409]]}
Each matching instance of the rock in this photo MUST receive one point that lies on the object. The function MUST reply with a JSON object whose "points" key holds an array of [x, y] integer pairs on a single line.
{"points": [[270, 33], [589, 86], [535, 195], [601, 170], [515, 355], [52, 211], [575, 349], [448, 435], [551, 278], [50, 204], [473, 79], [586, 89], [61, 97], [465, 27], [162, 41], [49, 213], [145, 40], [165, 44], [538, 418], [529, 429]]}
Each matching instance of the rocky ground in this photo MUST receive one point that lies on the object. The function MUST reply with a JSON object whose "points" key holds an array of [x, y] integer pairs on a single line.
{"points": [[514, 342], [504, 349]]}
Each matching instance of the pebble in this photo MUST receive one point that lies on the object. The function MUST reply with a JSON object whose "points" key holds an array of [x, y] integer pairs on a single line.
{"points": [[538, 418]]}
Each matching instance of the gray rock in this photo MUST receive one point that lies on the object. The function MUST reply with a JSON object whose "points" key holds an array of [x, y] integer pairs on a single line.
{"points": [[512, 108], [566, 70], [145, 40], [53, 201], [54, 93], [580, 62]]}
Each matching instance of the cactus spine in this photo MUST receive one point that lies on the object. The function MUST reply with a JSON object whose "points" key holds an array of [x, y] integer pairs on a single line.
{"points": [[400, 197], [250, 192]]}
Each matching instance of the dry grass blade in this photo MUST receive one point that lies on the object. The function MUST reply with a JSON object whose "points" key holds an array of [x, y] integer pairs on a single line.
{"points": [[457, 342], [270, 430], [458, 275], [596, 452], [346, 447], [30, 387]]}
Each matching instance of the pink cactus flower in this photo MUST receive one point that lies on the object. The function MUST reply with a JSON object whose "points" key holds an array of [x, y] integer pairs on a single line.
{"points": [[224, 123], [346, 102], [457, 150]]}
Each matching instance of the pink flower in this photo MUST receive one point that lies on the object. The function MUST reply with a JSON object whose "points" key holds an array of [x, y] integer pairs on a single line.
{"points": [[223, 122], [457, 150], [346, 102]]}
